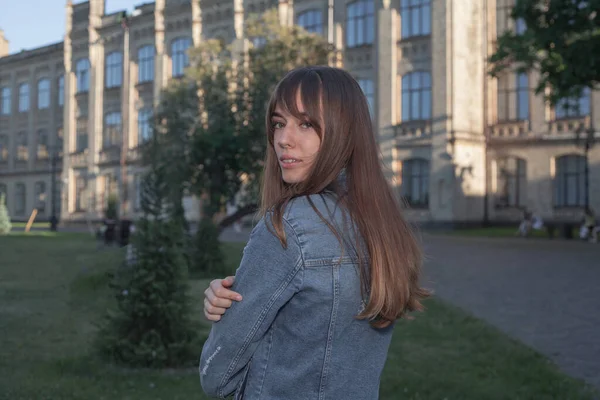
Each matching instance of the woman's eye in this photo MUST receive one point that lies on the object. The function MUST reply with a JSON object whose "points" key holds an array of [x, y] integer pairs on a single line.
{"points": [[277, 125], [306, 125]]}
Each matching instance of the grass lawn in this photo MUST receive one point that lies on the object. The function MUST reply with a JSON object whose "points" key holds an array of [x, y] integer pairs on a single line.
{"points": [[53, 290]]}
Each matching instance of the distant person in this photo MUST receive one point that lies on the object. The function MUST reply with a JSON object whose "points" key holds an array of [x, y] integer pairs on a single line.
{"points": [[589, 228], [526, 224], [331, 265]]}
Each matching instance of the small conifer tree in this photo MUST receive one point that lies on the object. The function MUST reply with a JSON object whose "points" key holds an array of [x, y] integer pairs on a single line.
{"points": [[5, 225]]}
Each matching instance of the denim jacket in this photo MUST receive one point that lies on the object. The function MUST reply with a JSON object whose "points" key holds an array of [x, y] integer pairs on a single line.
{"points": [[294, 335]]}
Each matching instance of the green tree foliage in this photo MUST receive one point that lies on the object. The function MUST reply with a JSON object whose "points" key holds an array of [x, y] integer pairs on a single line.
{"points": [[561, 40], [152, 326], [234, 89], [5, 225]]}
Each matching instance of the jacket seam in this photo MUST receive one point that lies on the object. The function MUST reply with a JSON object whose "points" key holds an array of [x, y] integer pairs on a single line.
{"points": [[336, 298]]}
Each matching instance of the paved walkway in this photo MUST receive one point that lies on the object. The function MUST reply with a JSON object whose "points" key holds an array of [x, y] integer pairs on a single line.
{"points": [[546, 294]]}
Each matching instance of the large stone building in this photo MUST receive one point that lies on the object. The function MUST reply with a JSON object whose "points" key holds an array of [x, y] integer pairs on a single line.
{"points": [[458, 145]]}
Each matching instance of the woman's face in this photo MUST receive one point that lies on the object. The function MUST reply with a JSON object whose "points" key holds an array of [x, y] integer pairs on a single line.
{"points": [[296, 143]]}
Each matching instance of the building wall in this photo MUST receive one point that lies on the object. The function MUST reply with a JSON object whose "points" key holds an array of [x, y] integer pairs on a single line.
{"points": [[444, 155]]}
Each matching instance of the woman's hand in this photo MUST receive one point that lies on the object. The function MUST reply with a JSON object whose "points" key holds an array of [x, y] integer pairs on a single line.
{"points": [[217, 298]]}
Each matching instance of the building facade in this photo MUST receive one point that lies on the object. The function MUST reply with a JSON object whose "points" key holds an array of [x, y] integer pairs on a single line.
{"points": [[459, 146]]}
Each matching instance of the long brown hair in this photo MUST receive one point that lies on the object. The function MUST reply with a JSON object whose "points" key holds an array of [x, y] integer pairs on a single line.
{"points": [[337, 108]]}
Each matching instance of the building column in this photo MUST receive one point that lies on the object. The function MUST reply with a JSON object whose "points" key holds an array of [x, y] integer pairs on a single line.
{"points": [[160, 63], [457, 166], [95, 103], [69, 127], [197, 22], [386, 81]]}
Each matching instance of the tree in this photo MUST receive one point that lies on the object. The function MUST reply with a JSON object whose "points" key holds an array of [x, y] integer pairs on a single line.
{"points": [[235, 89], [561, 40], [152, 325], [5, 225]]}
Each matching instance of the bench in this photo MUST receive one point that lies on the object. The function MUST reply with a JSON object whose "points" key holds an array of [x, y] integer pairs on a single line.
{"points": [[564, 229]]}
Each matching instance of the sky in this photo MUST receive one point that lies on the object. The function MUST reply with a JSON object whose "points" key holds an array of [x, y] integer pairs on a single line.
{"points": [[28, 24]]}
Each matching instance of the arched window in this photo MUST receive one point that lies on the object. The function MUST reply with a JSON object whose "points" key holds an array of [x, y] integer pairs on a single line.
{"points": [[179, 57], [416, 96], [311, 21], [360, 23], [40, 197], [415, 17], [573, 107], [569, 181], [20, 199], [43, 88], [22, 147], [511, 182], [3, 148], [114, 70], [415, 182], [82, 70], [112, 129], [146, 64], [144, 125], [42, 144], [24, 97]]}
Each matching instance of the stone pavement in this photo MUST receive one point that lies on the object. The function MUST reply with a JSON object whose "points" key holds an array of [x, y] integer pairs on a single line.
{"points": [[545, 294]]}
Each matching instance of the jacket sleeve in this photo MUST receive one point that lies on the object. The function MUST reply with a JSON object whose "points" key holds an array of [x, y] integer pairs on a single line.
{"points": [[268, 276]]}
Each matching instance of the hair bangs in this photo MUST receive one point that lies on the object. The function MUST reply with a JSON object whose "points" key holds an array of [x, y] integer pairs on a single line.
{"points": [[308, 85]]}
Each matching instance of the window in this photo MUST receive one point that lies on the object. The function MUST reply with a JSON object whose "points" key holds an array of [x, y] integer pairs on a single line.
{"points": [[82, 69], [43, 94], [5, 92], [137, 184], [59, 141], [20, 199], [179, 56], [42, 145], [22, 147], [416, 96], [367, 87], [415, 17], [112, 129], [4, 191], [415, 182], [110, 188], [360, 23], [144, 125], [114, 70], [146, 64], [520, 26], [61, 90], [259, 41], [511, 182], [80, 187], [569, 181], [3, 148], [513, 99], [573, 107], [81, 141], [24, 97], [311, 21], [40, 197], [503, 19]]}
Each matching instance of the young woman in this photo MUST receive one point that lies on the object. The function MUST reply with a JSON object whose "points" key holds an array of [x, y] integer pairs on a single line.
{"points": [[330, 266]]}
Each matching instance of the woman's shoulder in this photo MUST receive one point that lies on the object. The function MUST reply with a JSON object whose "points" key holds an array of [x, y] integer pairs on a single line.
{"points": [[315, 206]]}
